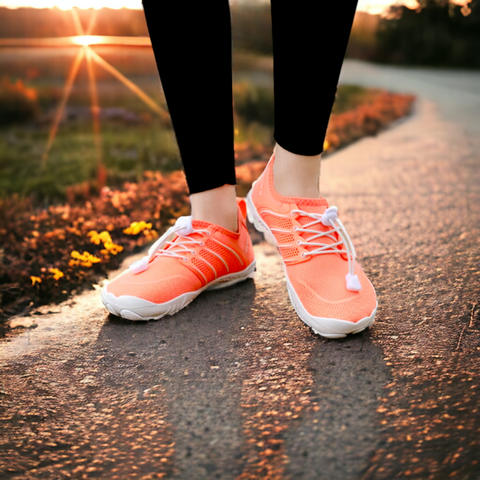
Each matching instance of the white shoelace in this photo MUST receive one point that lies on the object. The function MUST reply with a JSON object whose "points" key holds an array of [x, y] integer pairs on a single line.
{"points": [[329, 219], [183, 227]]}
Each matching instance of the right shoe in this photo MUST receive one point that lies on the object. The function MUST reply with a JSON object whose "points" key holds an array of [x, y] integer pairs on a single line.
{"points": [[201, 256], [327, 286]]}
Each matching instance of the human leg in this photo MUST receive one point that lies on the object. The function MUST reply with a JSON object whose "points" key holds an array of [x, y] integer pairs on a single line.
{"points": [[308, 55], [193, 51], [212, 248]]}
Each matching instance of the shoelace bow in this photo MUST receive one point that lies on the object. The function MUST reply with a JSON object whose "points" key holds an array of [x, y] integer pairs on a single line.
{"points": [[329, 219], [183, 228]]}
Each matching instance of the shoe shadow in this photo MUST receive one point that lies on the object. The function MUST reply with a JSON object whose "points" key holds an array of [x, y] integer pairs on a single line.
{"points": [[192, 357], [338, 436]]}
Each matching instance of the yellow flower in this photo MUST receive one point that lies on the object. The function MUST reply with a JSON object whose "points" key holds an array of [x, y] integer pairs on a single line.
{"points": [[96, 237], [56, 273], [84, 259], [137, 227], [35, 280], [113, 248]]}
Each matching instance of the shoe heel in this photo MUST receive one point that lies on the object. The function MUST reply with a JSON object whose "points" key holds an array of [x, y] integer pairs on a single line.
{"points": [[255, 219], [250, 216]]}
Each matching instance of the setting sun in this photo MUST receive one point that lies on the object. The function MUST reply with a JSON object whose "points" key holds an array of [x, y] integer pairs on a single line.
{"points": [[87, 39]]}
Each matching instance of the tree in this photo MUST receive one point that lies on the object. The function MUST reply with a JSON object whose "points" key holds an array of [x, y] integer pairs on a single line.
{"points": [[438, 33]]}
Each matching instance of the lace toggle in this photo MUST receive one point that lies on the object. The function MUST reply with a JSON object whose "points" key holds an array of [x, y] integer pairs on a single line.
{"points": [[183, 227], [330, 214]]}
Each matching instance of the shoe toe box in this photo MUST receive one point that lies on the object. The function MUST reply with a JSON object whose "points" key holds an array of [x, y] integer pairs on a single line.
{"points": [[156, 285], [327, 296]]}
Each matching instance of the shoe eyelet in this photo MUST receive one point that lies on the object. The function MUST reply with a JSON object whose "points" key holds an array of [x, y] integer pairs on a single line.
{"points": [[304, 255], [208, 233], [185, 259], [194, 252], [201, 244], [295, 228], [298, 242], [292, 214]]}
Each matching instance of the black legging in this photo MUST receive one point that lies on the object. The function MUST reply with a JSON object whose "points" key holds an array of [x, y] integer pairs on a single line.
{"points": [[192, 43]]}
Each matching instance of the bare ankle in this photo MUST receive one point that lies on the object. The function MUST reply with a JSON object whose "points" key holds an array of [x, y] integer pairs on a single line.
{"points": [[217, 206], [296, 175]]}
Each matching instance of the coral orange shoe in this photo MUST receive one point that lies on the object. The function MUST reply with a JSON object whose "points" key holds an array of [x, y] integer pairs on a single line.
{"points": [[202, 255], [327, 287]]}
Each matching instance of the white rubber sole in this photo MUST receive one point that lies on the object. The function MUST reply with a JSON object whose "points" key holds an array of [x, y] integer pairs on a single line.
{"points": [[326, 327], [137, 309]]}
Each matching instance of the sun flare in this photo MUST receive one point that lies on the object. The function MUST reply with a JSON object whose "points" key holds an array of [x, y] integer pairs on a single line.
{"points": [[87, 39]]}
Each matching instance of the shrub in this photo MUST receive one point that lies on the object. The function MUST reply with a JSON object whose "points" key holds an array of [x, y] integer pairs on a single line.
{"points": [[18, 103], [254, 103], [46, 253]]}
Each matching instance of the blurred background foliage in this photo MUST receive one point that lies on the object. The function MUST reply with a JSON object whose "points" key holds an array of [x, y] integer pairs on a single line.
{"points": [[18, 103], [437, 33]]}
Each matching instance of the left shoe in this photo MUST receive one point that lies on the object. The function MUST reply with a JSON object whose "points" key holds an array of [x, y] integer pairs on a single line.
{"points": [[327, 287], [200, 256]]}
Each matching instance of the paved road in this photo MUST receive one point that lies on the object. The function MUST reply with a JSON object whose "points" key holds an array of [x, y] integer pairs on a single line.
{"points": [[237, 387]]}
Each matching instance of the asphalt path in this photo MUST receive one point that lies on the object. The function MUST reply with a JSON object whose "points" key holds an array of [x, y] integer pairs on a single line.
{"points": [[235, 386]]}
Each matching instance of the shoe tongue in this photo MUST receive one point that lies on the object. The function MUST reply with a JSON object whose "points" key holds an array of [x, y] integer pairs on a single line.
{"points": [[197, 225], [200, 225], [310, 205], [317, 206]]}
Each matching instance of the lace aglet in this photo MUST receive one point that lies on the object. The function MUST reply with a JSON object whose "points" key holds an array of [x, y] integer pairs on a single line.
{"points": [[353, 283]]}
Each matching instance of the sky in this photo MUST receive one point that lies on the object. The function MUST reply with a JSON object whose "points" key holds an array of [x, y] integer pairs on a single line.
{"points": [[370, 6]]}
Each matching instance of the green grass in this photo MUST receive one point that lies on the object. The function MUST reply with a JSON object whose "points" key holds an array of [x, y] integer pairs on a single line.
{"points": [[127, 152]]}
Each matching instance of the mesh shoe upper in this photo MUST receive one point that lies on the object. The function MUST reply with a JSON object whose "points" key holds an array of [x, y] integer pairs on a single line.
{"points": [[188, 263], [316, 260]]}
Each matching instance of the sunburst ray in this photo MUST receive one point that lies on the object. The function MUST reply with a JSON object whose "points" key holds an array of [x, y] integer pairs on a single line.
{"points": [[93, 20], [94, 107], [137, 90], [66, 93], [76, 22]]}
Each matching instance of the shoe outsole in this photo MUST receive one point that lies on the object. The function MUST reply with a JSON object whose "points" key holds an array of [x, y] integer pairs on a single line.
{"points": [[138, 309], [326, 327]]}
